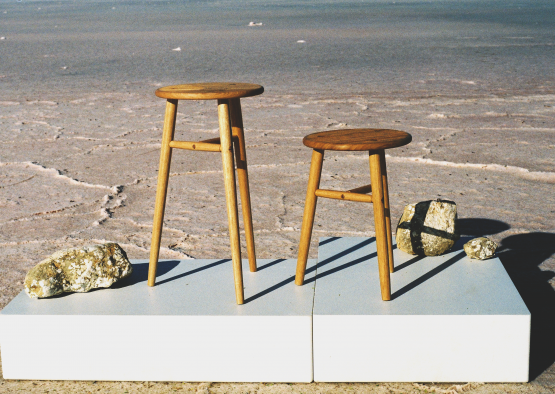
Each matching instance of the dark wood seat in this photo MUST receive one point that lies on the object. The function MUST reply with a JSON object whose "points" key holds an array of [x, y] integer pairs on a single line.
{"points": [[232, 140], [357, 139], [375, 141], [209, 91]]}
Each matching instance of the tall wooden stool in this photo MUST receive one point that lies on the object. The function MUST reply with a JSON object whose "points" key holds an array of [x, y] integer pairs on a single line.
{"points": [[231, 134], [374, 141]]}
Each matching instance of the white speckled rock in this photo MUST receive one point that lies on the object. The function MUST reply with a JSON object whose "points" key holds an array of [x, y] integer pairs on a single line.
{"points": [[428, 228], [480, 248], [78, 270]]}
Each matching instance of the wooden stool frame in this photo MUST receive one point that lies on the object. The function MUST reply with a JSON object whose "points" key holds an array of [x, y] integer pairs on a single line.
{"points": [[231, 139], [382, 218]]}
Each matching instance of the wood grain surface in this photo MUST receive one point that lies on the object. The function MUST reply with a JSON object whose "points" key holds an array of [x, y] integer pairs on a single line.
{"points": [[376, 179], [198, 146], [308, 215], [209, 91], [162, 188], [347, 196], [238, 137], [357, 139], [228, 164]]}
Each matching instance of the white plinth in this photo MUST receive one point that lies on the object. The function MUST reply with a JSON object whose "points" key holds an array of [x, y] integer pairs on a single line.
{"points": [[451, 319], [186, 328]]}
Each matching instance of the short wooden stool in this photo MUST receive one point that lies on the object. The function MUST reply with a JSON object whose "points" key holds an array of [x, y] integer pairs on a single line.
{"points": [[374, 141], [231, 134]]}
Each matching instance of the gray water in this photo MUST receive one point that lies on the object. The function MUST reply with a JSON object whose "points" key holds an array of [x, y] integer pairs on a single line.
{"points": [[401, 47]]}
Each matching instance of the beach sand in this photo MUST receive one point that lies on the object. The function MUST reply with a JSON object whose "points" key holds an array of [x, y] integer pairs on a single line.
{"points": [[82, 169], [80, 148]]}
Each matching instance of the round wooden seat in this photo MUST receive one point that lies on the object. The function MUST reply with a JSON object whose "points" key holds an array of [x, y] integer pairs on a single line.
{"points": [[209, 91], [357, 139]]}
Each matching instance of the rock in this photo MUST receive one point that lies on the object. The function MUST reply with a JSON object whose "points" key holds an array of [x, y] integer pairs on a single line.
{"points": [[428, 228], [78, 270], [480, 248]]}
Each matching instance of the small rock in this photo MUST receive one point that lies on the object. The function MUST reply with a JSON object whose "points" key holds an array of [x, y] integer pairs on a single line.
{"points": [[78, 270], [480, 248], [428, 228]]}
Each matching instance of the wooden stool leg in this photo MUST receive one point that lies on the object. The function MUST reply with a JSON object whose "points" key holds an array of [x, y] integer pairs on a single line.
{"points": [[231, 195], [379, 222], [161, 188], [243, 177], [387, 213], [308, 215]]}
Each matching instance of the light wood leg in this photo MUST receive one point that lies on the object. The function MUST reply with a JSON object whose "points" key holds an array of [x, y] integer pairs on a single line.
{"points": [[379, 222], [161, 188], [231, 195], [243, 177], [387, 213], [308, 215]]}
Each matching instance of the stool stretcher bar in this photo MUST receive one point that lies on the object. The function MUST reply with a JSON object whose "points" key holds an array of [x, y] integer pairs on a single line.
{"points": [[210, 145], [347, 196]]}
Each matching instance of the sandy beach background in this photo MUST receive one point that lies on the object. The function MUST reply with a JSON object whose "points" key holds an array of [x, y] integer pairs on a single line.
{"points": [[80, 130]]}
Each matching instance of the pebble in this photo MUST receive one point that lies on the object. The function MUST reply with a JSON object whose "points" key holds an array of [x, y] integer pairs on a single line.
{"points": [[480, 248]]}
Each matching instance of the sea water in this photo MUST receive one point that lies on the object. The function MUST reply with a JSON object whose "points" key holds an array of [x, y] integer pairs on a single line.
{"points": [[302, 47]]}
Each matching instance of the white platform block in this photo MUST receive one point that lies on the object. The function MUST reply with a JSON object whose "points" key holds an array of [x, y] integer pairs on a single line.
{"points": [[186, 328], [451, 319]]}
